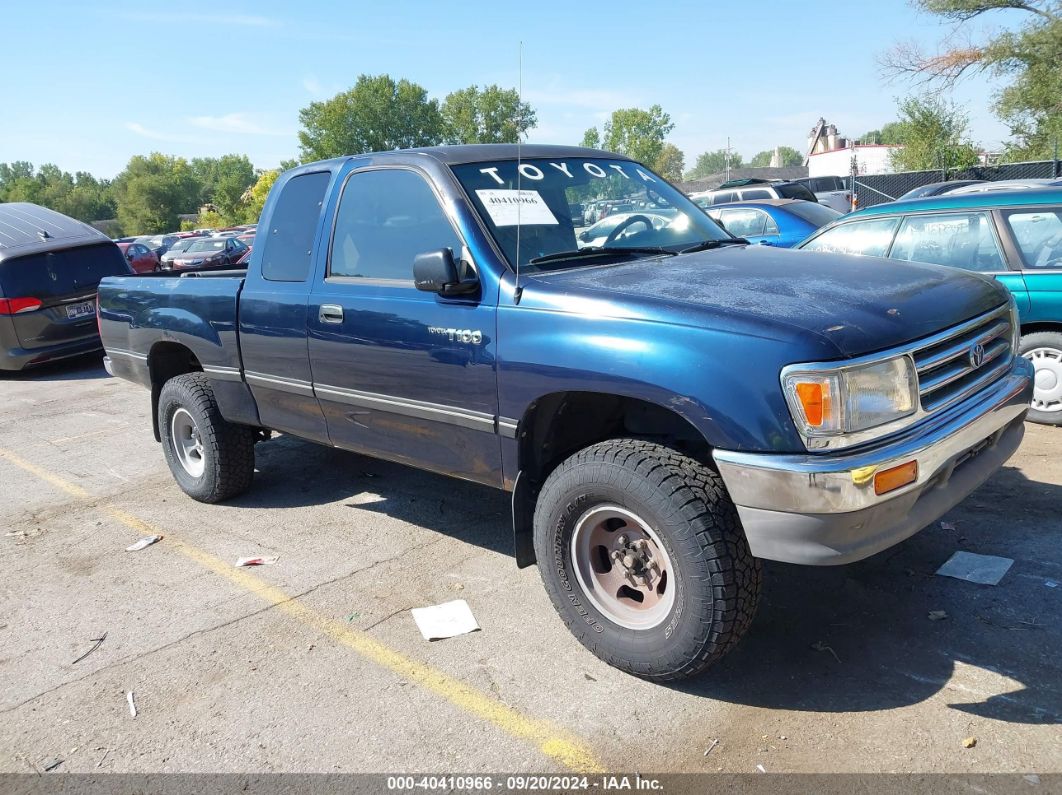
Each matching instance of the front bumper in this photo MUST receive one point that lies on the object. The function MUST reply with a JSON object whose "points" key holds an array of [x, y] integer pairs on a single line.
{"points": [[822, 509]]}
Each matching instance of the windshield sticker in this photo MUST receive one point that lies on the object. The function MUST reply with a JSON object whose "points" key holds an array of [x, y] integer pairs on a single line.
{"points": [[516, 207], [533, 172]]}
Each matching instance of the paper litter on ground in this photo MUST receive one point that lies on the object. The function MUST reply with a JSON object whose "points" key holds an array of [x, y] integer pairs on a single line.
{"points": [[445, 621], [981, 569], [143, 543], [259, 561]]}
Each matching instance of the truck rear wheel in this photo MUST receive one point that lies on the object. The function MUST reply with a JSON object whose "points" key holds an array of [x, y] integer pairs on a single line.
{"points": [[210, 459], [643, 556]]}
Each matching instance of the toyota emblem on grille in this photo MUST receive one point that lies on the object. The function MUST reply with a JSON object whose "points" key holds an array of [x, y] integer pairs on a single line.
{"points": [[977, 355]]}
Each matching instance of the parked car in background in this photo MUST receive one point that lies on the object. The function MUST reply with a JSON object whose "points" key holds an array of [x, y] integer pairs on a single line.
{"points": [[174, 251], [50, 267], [247, 238], [773, 222], [1008, 184], [242, 261], [615, 227], [140, 258], [160, 244], [831, 191], [209, 253], [743, 190], [937, 188], [1014, 236]]}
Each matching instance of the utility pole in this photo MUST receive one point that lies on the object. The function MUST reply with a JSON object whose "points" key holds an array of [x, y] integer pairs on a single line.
{"points": [[728, 158]]}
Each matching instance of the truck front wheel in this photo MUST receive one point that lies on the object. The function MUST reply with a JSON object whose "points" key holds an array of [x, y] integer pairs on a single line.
{"points": [[211, 459], [643, 556]]}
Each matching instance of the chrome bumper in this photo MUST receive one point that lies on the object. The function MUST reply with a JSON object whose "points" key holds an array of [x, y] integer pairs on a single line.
{"points": [[822, 509]]}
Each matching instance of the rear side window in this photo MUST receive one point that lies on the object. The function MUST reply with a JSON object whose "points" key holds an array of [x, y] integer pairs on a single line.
{"points": [[870, 237], [1038, 234], [744, 222], [723, 197], [961, 240], [795, 191], [756, 193], [288, 244], [60, 273]]}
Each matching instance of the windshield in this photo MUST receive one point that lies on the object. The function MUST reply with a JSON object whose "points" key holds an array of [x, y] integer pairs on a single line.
{"points": [[560, 205], [206, 245]]}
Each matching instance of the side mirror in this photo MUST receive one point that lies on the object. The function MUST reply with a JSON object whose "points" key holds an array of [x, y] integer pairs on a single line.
{"points": [[436, 272]]}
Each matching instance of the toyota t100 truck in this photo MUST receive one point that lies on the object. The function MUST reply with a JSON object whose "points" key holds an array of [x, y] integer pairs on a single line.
{"points": [[668, 406]]}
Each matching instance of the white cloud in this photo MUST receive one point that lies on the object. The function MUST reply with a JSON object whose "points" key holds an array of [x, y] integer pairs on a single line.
{"points": [[157, 135], [236, 123]]}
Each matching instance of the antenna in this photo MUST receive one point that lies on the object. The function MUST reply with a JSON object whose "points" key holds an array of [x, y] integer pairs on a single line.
{"points": [[518, 290]]}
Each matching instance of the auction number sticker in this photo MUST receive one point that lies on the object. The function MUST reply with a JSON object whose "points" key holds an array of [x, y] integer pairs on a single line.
{"points": [[516, 207]]}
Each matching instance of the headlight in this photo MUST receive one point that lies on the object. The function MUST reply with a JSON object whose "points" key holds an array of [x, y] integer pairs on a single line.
{"points": [[833, 401]]}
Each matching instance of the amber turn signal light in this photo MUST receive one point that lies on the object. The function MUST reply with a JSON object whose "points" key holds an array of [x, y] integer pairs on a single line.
{"points": [[893, 478], [814, 401]]}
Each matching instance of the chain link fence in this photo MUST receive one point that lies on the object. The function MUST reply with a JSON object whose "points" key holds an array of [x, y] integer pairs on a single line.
{"points": [[878, 188]]}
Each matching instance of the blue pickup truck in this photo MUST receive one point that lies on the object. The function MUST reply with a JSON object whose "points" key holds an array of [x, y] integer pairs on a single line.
{"points": [[668, 407]]}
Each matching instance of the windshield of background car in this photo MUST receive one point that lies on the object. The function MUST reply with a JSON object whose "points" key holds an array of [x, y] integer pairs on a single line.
{"points": [[541, 202], [206, 245]]}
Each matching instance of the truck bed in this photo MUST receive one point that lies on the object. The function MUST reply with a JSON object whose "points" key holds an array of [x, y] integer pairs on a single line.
{"points": [[136, 313]]}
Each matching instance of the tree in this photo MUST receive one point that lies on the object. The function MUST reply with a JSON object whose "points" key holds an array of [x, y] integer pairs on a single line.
{"points": [[79, 195], [223, 181], [152, 191], [591, 139], [670, 163], [1028, 57], [494, 115], [256, 196], [713, 163], [933, 135], [638, 134], [376, 115], [790, 157]]}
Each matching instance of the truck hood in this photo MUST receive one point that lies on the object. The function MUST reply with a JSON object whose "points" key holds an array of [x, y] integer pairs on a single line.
{"points": [[860, 304]]}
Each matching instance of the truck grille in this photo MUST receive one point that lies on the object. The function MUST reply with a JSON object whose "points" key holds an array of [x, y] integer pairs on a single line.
{"points": [[965, 360]]}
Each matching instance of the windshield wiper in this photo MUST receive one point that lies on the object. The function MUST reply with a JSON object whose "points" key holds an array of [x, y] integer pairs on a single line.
{"points": [[600, 251], [704, 245]]}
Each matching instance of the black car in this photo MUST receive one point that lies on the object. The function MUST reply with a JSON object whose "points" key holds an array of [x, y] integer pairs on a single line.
{"points": [[209, 253], [50, 268]]}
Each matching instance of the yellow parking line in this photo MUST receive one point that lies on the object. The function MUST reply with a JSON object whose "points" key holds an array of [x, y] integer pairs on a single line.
{"points": [[567, 750]]}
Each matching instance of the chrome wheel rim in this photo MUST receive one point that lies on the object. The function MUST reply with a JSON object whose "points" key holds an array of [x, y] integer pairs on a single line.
{"points": [[187, 446], [623, 568], [1047, 388]]}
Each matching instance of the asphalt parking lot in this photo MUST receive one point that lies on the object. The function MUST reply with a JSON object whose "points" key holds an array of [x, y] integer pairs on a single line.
{"points": [[315, 665]]}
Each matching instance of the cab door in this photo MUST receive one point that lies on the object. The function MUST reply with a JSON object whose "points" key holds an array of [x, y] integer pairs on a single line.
{"points": [[401, 373]]}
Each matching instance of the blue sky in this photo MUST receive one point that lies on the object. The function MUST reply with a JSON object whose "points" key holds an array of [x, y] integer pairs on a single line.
{"points": [[87, 85]]}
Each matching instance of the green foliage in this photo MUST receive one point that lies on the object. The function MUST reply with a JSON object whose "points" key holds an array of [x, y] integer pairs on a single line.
{"points": [[790, 157], [256, 197], [1027, 57], [933, 134], [638, 134], [376, 115], [591, 139], [713, 163], [223, 181], [78, 195], [670, 163], [494, 115], [152, 191]]}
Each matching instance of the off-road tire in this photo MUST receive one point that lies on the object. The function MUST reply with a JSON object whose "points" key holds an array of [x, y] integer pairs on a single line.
{"points": [[1049, 340], [718, 580], [228, 449]]}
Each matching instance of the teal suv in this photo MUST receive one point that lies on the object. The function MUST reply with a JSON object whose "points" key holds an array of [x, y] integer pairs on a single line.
{"points": [[1014, 237]]}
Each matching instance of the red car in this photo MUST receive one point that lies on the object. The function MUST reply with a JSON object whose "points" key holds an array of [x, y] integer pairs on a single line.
{"points": [[140, 258]]}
